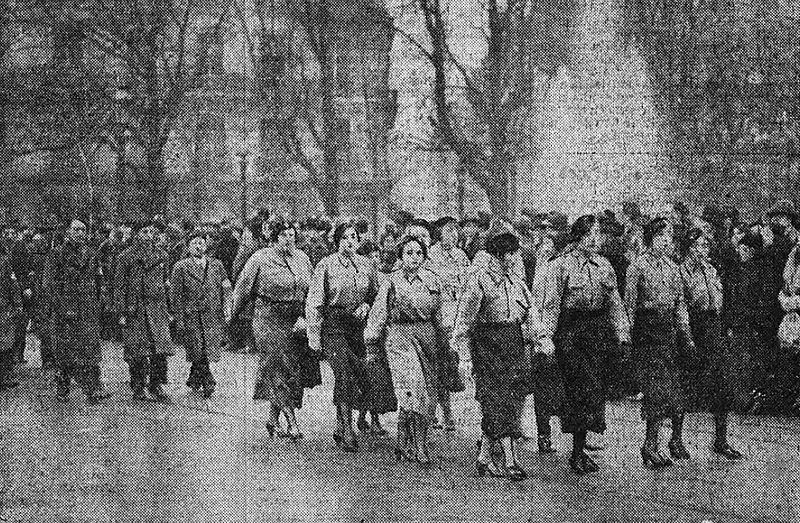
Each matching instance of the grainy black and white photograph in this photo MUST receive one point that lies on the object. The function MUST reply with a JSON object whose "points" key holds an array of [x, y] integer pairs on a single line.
{"points": [[399, 261]]}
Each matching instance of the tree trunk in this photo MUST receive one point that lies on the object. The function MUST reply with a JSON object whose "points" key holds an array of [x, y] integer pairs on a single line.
{"points": [[329, 190], [497, 190]]}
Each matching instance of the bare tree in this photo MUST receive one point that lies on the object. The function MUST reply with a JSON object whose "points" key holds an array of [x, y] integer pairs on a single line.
{"points": [[298, 83], [151, 46], [481, 110]]}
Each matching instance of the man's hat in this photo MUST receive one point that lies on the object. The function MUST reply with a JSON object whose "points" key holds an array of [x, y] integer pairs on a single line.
{"points": [[782, 207]]}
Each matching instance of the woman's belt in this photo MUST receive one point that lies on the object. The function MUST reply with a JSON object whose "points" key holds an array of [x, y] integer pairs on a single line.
{"points": [[502, 324], [584, 314], [654, 312]]}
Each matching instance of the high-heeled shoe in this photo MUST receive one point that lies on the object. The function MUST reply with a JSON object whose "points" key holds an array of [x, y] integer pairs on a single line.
{"points": [[652, 458], [404, 454], [516, 473], [350, 446], [271, 430], [424, 459], [337, 438], [488, 469], [363, 426], [677, 450], [545, 445], [583, 464], [295, 436], [724, 449]]}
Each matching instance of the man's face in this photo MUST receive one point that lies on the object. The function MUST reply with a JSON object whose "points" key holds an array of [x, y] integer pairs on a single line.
{"points": [[147, 235], [9, 234], [77, 231]]}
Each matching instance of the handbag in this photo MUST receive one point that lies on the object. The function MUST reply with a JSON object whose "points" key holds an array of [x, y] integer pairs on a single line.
{"points": [[789, 331], [454, 378]]}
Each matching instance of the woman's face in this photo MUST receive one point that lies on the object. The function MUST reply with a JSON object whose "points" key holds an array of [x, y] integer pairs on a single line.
{"points": [[349, 241], [287, 241], [593, 240], [701, 248], [412, 256], [197, 247], [662, 242], [449, 237], [745, 253]]}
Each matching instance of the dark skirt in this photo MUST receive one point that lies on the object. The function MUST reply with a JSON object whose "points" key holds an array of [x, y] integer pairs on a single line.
{"points": [[547, 386], [286, 366], [501, 367], [712, 375], [582, 340], [654, 357], [343, 343]]}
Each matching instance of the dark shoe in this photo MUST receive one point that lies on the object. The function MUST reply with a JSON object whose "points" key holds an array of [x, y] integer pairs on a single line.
{"points": [[271, 430], [450, 425], [9, 383], [404, 454], [296, 436], [582, 464], [488, 469], [98, 396], [516, 473], [62, 396], [545, 445], [677, 450], [363, 426], [724, 449], [652, 458], [139, 394], [424, 459], [435, 425], [208, 391], [378, 430], [158, 393]]}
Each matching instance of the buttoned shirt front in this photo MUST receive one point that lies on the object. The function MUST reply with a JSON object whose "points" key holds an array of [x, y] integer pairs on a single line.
{"points": [[493, 295], [701, 284], [339, 281], [579, 280], [653, 283], [405, 298], [271, 276]]}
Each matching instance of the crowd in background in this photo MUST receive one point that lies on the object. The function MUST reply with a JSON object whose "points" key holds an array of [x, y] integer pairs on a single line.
{"points": [[119, 279]]}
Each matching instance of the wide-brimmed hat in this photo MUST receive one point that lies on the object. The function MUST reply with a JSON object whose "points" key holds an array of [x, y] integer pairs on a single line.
{"points": [[784, 207]]}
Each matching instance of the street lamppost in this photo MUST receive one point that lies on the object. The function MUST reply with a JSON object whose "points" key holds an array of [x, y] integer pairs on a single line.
{"points": [[122, 98], [243, 155]]}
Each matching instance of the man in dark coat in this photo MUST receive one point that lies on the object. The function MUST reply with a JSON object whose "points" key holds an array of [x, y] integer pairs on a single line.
{"points": [[10, 308], [70, 287], [18, 259], [38, 252], [107, 255], [140, 299]]}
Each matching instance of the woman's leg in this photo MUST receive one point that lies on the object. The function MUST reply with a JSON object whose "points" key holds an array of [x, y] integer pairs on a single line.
{"points": [[377, 428], [421, 436], [349, 437], [676, 447], [293, 429], [447, 411], [721, 445]]}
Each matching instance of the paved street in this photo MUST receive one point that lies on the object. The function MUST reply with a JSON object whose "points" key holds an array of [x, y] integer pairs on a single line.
{"points": [[196, 460]]}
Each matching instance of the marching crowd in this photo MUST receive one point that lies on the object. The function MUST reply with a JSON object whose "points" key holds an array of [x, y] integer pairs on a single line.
{"points": [[681, 312]]}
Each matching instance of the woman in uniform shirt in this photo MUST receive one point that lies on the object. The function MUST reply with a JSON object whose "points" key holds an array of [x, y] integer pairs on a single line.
{"points": [[584, 320], [408, 310], [342, 290], [276, 278], [656, 307], [450, 263], [707, 371], [493, 324]]}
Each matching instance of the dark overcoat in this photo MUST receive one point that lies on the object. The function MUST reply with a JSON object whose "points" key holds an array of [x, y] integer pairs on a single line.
{"points": [[199, 296], [140, 296], [70, 289]]}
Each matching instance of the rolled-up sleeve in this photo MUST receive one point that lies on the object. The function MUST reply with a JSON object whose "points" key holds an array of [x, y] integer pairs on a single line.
{"points": [[469, 305]]}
